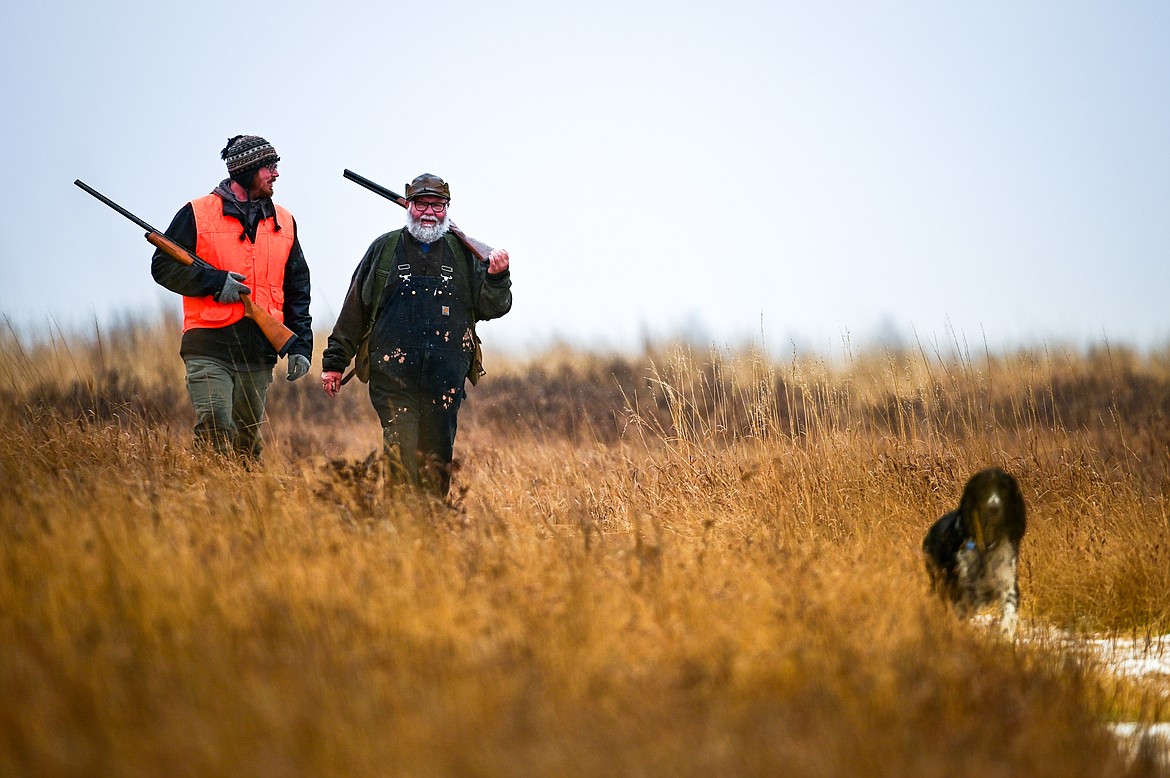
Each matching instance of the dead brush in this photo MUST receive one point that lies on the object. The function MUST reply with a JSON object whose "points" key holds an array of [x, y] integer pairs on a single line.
{"points": [[355, 486], [705, 564]]}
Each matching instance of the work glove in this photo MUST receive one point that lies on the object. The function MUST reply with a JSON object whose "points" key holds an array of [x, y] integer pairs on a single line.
{"points": [[298, 365], [232, 289]]}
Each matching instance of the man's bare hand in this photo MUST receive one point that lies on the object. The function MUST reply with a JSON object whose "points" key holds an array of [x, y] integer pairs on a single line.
{"points": [[497, 261], [331, 382]]}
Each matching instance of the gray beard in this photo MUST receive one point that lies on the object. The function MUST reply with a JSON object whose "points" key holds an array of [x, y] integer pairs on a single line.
{"points": [[423, 233]]}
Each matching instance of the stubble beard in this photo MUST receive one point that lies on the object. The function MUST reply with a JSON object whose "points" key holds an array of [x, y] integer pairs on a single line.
{"points": [[426, 233]]}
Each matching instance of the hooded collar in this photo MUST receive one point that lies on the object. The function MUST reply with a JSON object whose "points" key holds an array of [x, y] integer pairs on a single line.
{"points": [[249, 212]]}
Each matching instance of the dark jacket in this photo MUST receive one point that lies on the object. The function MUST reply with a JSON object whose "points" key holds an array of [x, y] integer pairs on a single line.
{"points": [[242, 344], [491, 297]]}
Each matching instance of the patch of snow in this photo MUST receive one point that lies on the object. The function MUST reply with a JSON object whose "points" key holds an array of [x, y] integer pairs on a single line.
{"points": [[1150, 742], [1145, 658]]}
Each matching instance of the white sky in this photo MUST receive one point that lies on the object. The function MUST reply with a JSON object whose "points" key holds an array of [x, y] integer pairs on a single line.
{"points": [[791, 172]]}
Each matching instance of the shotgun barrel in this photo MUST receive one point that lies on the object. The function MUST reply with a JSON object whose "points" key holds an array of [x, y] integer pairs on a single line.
{"points": [[114, 205], [375, 188]]}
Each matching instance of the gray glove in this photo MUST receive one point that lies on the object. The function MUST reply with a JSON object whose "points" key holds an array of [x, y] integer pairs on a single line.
{"points": [[298, 365], [232, 289]]}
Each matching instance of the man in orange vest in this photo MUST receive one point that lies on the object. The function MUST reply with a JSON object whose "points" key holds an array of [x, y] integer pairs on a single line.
{"points": [[252, 247]]}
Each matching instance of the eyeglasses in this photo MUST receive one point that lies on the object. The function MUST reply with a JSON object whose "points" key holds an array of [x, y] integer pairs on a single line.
{"points": [[422, 207], [271, 168]]}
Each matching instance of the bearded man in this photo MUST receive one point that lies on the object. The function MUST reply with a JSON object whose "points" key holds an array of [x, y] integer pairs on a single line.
{"points": [[412, 306], [251, 247]]}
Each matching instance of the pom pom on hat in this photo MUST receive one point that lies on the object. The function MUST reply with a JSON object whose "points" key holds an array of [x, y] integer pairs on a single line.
{"points": [[246, 152]]}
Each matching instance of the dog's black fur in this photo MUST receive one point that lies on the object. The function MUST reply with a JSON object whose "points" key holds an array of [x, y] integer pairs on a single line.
{"points": [[972, 554]]}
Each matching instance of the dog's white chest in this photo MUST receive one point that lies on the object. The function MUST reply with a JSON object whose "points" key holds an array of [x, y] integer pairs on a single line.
{"points": [[986, 577]]}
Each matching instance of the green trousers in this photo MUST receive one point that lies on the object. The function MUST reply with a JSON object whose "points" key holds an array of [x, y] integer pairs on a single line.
{"points": [[229, 406]]}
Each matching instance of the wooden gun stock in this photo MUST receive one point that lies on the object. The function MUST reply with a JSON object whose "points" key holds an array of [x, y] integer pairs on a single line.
{"points": [[478, 248], [280, 336]]}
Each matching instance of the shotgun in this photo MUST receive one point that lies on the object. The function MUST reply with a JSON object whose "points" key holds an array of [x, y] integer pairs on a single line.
{"points": [[280, 336], [478, 248]]}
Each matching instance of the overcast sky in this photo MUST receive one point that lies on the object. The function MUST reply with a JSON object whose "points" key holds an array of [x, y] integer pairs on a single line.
{"points": [[778, 172]]}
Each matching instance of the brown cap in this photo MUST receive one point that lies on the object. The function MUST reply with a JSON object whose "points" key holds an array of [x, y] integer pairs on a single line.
{"points": [[428, 184]]}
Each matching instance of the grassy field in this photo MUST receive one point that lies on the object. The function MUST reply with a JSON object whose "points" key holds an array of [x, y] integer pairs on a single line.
{"points": [[685, 562]]}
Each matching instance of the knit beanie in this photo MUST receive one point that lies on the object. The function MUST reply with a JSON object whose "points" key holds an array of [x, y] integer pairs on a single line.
{"points": [[245, 154]]}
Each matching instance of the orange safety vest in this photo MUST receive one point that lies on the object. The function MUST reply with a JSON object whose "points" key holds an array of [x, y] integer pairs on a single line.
{"points": [[262, 263]]}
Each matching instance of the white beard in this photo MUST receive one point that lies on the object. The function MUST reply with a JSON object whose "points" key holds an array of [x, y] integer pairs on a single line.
{"points": [[424, 233]]}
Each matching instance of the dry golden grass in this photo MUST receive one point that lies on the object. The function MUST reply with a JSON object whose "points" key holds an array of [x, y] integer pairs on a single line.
{"points": [[683, 563]]}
